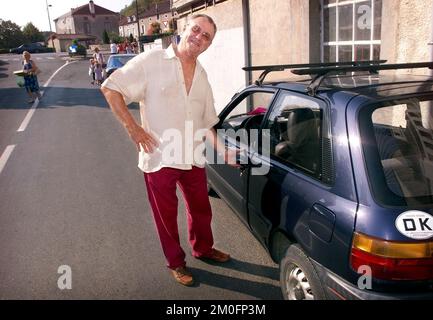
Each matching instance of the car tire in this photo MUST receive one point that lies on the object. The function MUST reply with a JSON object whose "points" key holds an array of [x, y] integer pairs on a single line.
{"points": [[298, 278]]}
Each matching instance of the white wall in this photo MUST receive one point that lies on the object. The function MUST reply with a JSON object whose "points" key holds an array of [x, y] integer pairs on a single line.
{"points": [[223, 62]]}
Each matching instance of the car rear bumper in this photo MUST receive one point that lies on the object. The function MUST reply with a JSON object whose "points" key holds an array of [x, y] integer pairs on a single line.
{"points": [[336, 288]]}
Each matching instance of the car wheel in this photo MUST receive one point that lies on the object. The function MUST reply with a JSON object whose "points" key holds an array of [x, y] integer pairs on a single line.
{"points": [[298, 279]]}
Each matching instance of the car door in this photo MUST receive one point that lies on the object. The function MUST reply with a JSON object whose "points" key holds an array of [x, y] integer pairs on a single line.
{"points": [[228, 181], [280, 196]]}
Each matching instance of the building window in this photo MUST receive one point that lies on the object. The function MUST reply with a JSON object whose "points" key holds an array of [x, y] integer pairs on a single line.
{"points": [[351, 30], [87, 28]]}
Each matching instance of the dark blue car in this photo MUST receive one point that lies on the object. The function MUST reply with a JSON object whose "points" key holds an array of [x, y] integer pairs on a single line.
{"points": [[336, 178], [31, 48]]}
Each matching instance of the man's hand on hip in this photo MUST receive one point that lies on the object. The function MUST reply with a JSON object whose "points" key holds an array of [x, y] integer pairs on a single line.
{"points": [[143, 138]]}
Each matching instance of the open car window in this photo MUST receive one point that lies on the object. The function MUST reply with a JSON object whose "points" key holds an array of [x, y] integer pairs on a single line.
{"points": [[255, 104]]}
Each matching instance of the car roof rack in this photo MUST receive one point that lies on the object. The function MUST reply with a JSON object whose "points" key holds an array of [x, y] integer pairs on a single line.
{"points": [[281, 67], [320, 73]]}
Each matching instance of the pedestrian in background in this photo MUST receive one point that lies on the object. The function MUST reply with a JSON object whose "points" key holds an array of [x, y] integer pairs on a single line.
{"points": [[92, 70], [121, 48], [99, 66], [169, 105], [30, 77], [113, 47], [98, 74]]}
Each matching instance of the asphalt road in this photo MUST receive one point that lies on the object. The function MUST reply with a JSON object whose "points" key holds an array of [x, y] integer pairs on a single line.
{"points": [[71, 194]]}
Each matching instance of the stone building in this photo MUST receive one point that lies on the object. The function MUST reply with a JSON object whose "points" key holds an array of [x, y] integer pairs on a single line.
{"points": [[89, 19], [159, 12]]}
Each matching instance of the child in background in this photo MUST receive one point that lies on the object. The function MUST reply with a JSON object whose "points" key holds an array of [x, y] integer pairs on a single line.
{"points": [[98, 73]]}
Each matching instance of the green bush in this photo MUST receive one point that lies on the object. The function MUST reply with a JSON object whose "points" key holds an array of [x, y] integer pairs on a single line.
{"points": [[4, 51], [105, 37], [115, 37], [81, 51]]}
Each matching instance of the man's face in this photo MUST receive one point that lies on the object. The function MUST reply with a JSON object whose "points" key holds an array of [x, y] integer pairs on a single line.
{"points": [[198, 35]]}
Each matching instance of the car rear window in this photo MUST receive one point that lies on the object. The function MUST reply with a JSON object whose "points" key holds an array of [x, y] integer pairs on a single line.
{"points": [[403, 138], [119, 61]]}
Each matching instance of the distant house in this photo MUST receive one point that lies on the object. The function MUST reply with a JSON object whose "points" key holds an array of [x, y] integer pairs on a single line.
{"points": [[160, 12], [88, 22]]}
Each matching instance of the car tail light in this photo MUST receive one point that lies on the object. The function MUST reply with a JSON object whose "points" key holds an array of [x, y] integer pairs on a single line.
{"points": [[390, 260]]}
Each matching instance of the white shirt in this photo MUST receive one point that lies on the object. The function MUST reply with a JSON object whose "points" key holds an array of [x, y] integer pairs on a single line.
{"points": [[113, 48], [99, 57], [177, 119]]}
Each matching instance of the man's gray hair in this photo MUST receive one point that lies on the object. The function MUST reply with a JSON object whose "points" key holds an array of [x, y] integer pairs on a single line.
{"points": [[202, 15]]}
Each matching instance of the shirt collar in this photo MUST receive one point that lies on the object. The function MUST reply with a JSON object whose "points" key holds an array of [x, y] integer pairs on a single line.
{"points": [[169, 53]]}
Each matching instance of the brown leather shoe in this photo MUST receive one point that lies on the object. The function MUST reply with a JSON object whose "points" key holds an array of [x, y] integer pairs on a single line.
{"points": [[183, 276], [217, 256]]}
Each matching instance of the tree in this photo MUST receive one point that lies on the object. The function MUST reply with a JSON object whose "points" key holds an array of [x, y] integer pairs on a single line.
{"points": [[10, 34], [32, 34], [105, 37], [115, 37], [156, 27], [143, 5]]}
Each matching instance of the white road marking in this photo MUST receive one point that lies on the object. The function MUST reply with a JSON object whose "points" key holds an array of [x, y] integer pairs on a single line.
{"points": [[57, 71], [30, 113], [28, 117], [38, 58], [5, 156]]}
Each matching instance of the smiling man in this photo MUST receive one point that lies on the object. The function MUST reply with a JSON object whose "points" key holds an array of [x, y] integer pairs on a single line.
{"points": [[173, 90]]}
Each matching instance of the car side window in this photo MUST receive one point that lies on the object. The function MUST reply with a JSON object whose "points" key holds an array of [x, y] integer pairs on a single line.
{"points": [[247, 113], [242, 120], [254, 104], [295, 129]]}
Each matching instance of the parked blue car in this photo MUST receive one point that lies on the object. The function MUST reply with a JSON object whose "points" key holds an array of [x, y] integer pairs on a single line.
{"points": [[336, 178], [117, 61]]}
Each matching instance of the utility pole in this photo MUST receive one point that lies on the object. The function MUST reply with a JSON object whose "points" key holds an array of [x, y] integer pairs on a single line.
{"points": [[49, 22], [138, 26]]}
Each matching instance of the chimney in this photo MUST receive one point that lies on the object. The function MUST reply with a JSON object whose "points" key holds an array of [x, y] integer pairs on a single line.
{"points": [[92, 7]]}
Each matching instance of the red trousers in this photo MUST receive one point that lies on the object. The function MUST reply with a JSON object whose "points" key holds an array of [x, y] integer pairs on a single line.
{"points": [[161, 190]]}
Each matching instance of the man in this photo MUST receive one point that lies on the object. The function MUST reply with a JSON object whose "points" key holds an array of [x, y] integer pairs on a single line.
{"points": [[174, 94], [113, 47]]}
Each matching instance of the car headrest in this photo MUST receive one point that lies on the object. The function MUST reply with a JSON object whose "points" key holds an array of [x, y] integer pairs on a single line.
{"points": [[300, 124]]}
